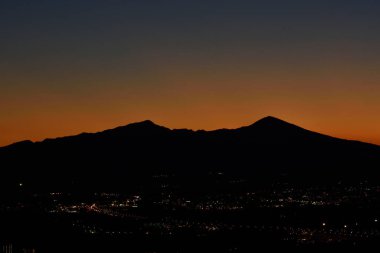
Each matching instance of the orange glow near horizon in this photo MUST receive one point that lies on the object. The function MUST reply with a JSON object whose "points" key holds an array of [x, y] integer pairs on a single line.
{"points": [[201, 103], [38, 132]]}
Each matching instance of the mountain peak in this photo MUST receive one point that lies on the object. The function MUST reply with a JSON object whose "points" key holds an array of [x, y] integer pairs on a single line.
{"points": [[270, 121], [143, 126], [269, 117], [144, 123], [272, 125]]}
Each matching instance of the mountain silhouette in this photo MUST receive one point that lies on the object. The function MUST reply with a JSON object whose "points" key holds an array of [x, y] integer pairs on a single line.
{"points": [[130, 154]]}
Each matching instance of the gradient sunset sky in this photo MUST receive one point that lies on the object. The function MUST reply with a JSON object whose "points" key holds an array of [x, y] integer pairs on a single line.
{"points": [[72, 66]]}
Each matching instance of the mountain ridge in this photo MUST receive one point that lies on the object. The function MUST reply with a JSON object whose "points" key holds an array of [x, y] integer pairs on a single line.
{"points": [[145, 125], [129, 155]]}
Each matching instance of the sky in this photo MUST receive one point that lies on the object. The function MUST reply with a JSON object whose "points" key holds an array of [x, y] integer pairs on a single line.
{"points": [[72, 66]]}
